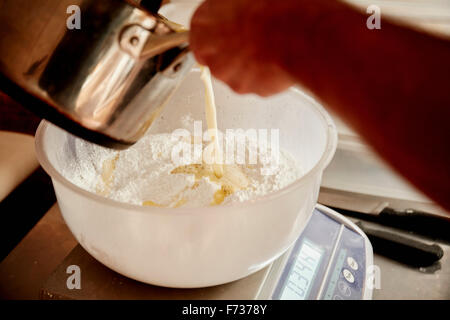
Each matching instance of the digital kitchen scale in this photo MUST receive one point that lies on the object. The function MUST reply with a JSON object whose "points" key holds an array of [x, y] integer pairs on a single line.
{"points": [[330, 260]]}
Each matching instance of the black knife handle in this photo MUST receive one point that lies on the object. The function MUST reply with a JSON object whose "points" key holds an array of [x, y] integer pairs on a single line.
{"points": [[409, 251], [417, 221]]}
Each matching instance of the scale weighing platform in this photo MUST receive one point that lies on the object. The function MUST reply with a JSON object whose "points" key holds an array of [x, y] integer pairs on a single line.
{"points": [[330, 260]]}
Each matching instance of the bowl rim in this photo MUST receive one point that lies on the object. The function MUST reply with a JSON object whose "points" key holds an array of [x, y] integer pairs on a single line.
{"points": [[325, 159]]}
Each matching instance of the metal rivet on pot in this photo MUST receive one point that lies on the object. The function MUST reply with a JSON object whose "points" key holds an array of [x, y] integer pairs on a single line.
{"points": [[134, 41], [177, 67]]}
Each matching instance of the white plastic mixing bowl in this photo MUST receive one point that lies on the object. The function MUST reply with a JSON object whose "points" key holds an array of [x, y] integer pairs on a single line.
{"points": [[189, 248]]}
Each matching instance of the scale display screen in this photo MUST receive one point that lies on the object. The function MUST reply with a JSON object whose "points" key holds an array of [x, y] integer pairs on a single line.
{"points": [[302, 272]]}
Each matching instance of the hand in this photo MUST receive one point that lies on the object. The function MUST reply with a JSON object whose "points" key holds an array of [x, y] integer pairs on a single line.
{"points": [[231, 38]]}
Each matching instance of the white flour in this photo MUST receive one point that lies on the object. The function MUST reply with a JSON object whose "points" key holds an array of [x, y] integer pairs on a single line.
{"points": [[142, 173]]}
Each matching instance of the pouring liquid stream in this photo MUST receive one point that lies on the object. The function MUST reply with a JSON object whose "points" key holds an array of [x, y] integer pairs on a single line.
{"points": [[211, 120]]}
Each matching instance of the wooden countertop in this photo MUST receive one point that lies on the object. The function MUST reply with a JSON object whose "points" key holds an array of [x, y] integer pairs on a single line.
{"points": [[17, 160], [27, 267]]}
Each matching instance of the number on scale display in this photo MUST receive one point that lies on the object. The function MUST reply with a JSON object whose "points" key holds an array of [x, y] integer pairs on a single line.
{"points": [[302, 272]]}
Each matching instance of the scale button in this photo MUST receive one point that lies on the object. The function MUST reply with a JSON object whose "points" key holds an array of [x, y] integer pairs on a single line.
{"points": [[344, 288], [348, 275], [352, 263]]}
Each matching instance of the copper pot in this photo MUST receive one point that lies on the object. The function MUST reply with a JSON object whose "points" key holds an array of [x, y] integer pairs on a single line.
{"points": [[105, 81]]}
